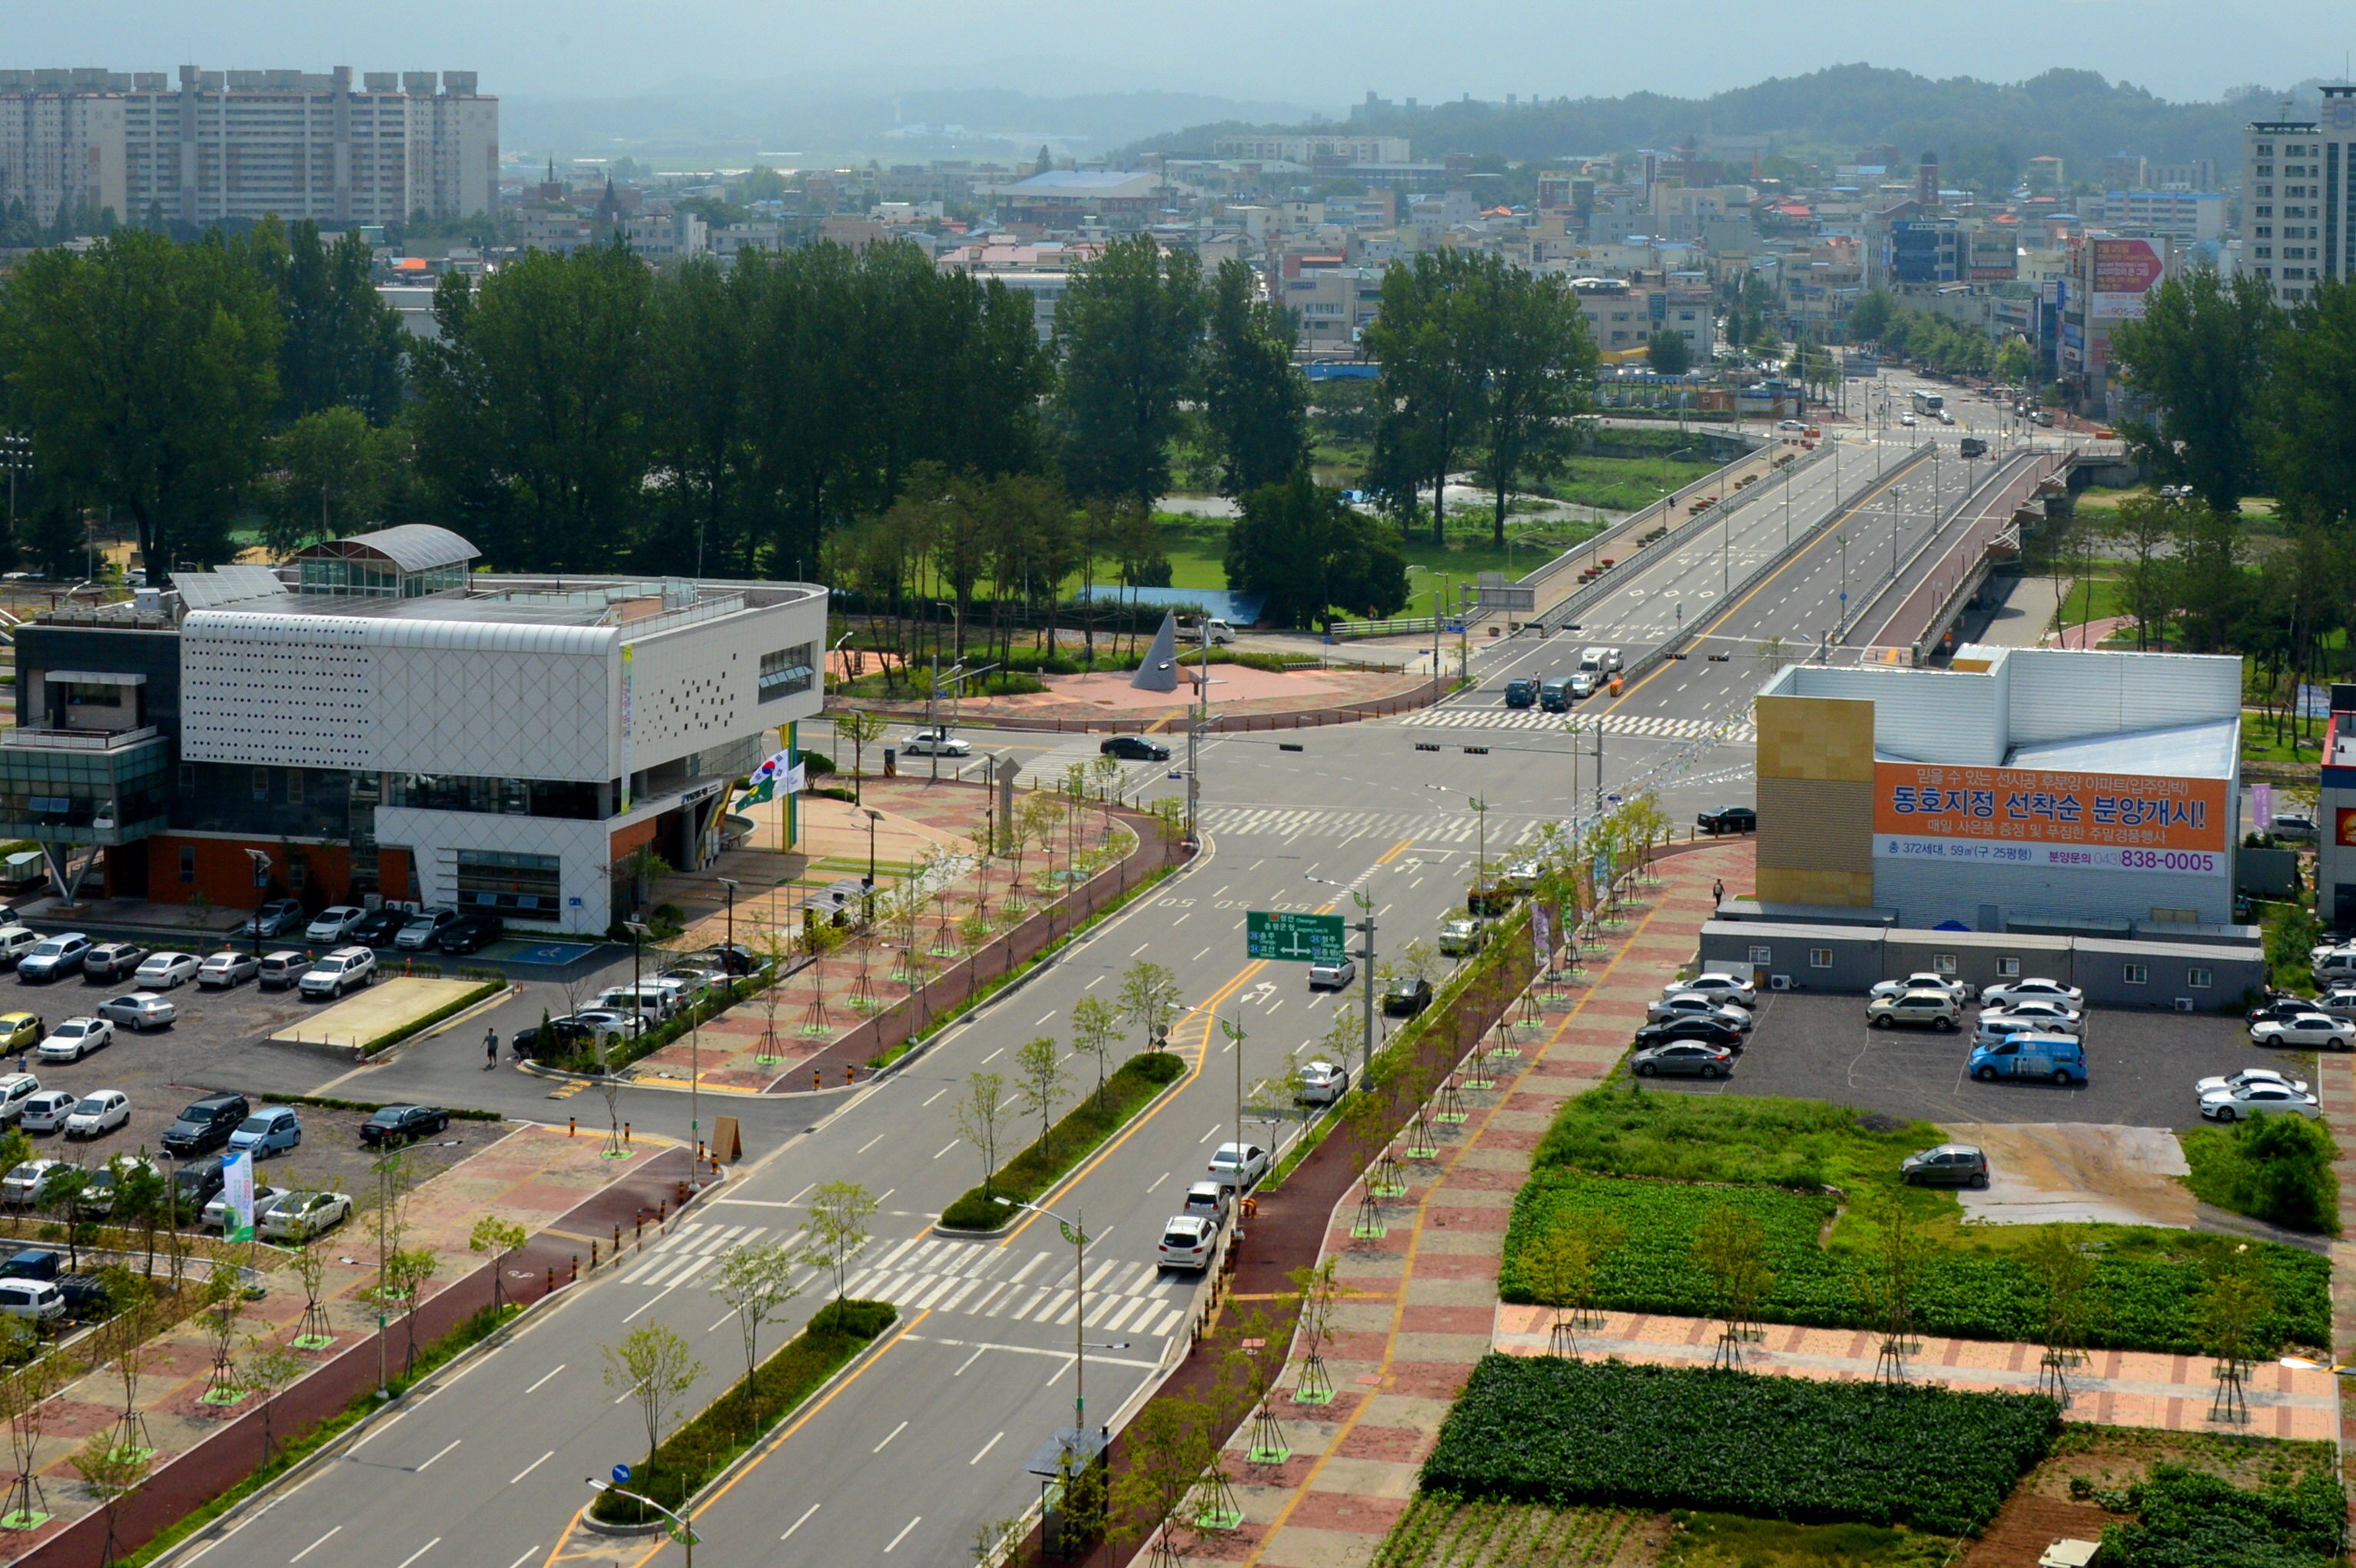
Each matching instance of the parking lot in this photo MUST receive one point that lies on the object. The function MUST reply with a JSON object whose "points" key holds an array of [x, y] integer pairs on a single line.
{"points": [[219, 1043], [2140, 1066]]}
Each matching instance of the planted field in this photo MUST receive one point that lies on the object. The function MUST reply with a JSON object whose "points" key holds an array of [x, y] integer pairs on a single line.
{"points": [[1541, 1429], [1439, 1529], [2145, 1293]]}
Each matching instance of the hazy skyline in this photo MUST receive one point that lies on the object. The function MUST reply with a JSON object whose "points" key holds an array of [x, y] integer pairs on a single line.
{"points": [[1489, 48]]}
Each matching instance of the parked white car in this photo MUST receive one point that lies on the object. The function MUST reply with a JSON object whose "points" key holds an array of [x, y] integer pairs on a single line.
{"points": [[345, 969], [1226, 1157], [139, 1011], [1925, 980], [265, 1198], [2050, 1017], [2316, 1031], [299, 1216], [47, 1110], [937, 744], [1914, 1009], [334, 924], [75, 1039], [1188, 1241], [165, 971], [96, 1113], [2033, 990], [2247, 1076], [15, 941], [1698, 1004], [2257, 1100], [1726, 988], [1322, 1083], [223, 970], [21, 1187]]}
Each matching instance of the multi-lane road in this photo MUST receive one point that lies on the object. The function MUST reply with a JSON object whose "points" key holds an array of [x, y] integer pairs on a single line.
{"points": [[928, 1436]]}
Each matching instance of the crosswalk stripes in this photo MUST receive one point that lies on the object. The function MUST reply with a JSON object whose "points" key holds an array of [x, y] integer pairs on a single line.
{"points": [[936, 1274], [1452, 827], [1651, 726]]}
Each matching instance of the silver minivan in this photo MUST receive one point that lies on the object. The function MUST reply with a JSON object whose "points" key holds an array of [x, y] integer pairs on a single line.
{"points": [[282, 969]]}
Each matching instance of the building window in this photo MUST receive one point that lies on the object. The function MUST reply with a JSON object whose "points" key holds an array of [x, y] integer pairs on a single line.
{"points": [[2007, 968], [789, 672], [1762, 955], [187, 778], [1942, 962], [2199, 979], [261, 784], [529, 885], [299, 873], [2176, 917], [1820, 957], [294, 787], [188, 864], [2136, 974]]}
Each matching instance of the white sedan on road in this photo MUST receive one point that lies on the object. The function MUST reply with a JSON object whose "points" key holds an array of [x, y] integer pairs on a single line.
{"points": [[2314, 1031], [937, 744], [2257, 1100]]}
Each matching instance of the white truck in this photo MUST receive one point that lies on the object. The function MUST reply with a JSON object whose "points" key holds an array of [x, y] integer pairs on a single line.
{"points": [[1599, 662], [1190, 633]]}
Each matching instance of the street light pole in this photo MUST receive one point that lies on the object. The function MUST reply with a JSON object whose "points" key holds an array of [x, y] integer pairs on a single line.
{"points": [[695, 1036], [685, 1531], [638, 933], [1077, 1235], [1365, 926], [261, 886]]}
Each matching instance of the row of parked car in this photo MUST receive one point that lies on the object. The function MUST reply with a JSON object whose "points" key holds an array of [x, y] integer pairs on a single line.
{"points": [[622, 1012], [1190, 1238], [435, 928]]}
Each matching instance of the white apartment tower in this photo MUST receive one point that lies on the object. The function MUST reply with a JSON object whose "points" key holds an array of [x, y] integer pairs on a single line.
{"points": [[240, 143], [2297, 179]]}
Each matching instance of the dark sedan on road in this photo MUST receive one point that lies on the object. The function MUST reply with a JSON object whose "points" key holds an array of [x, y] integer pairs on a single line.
{"points": [[1407, 997], [1693, 1026], [378, 928], [470, 933], [1728, 819], [394, 1126], [1135, 749], [1682, 1059]]}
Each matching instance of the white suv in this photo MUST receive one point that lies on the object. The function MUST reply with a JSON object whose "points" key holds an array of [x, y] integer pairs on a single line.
{"points": [[338, 972]]}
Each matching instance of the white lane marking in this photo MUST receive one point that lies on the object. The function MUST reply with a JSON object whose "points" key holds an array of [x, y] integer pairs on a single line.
{"points": [[800, 1522], [1158, 1181], [529, 1553], [315, 1545], [936, 1094], [1207, 1137], [888, 1436], [1093, 984], [421, 1552], [422, 1469], [871, 1143], [724, 1317], [970, 1360], [381, 1431], [805, 1191], [535, 1464], [948, 1145], [894, 1542], [1044, 1017], [985, 1448], [993, 1056]]}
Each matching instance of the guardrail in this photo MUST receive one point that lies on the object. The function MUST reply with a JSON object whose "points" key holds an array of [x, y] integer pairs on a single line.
{"points": [[1982, 532], [1344, 630], [1765, 568], [1881, 586], [1562, 614], [1658, 511]]}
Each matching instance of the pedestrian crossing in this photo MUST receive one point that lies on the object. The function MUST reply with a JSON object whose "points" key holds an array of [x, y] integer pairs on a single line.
{"points": [[1650, 726], [1049, 769], [937, 1274], [1424, 827]]}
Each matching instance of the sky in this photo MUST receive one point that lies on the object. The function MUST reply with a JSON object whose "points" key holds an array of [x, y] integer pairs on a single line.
{"points": [[575, 49]]}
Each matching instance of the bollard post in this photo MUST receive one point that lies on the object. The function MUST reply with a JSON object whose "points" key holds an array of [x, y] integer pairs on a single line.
{"points": [[550, 1289], [592, 1254], [625, 1134], [639, 1229], [617, 1238], [662, 1212], [847, 1075], [817, 1082], [572, 1126], [576, 1270]]}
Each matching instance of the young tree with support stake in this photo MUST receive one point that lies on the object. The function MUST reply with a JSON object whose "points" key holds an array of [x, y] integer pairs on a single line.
{"points": [[499, 1238], [1041, 1080], [755, 1282], [656, 1367], [1096, 1031], [978, 1116], [1149, 998], [836, 1230]]}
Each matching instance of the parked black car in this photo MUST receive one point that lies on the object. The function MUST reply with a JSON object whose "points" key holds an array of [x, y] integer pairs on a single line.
{"points": [[206, 1124], [378, 928], [396, 1124], [2279, 1007], [1728, 819], [738, 959], [1407, 997], [1682, 1059], [470, 932], [1136, 749], [194, 1185], [1700, 1027]]}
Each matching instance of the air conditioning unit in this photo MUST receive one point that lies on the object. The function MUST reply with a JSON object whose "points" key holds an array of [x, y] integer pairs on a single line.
{"points": [[2183, 1004], [1779, 982]]}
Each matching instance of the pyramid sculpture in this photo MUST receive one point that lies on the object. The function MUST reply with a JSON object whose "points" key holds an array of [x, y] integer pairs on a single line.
{"points": [[1160, 670]]}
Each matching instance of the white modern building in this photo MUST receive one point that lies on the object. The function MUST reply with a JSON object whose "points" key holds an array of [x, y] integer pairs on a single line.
{"points": [[239, 143], [2294, 207], [382, 721]]}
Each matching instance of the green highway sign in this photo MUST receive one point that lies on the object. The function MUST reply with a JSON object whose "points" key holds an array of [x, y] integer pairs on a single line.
{"points": [[1301, 938]]}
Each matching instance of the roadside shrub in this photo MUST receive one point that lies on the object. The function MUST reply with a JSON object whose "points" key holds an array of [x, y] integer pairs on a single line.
{"points": [[2189, 1519], [2276, 1168], [1080, 1133], [1542, 1429]]}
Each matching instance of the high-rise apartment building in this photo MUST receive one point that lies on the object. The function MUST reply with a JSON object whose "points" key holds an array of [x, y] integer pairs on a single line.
{"points": [[2296, 181], [240, 143]]}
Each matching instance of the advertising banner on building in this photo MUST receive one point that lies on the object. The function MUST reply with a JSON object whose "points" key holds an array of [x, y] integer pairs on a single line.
{"points": [[2123, 272], [2027, 816], [2343, 827]]}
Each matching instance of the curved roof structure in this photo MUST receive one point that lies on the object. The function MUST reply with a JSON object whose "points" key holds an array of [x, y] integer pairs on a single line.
{"points": [[411, 547]]}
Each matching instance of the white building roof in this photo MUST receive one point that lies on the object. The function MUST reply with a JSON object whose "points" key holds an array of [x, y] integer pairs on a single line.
{"points": [[2184, 750]]}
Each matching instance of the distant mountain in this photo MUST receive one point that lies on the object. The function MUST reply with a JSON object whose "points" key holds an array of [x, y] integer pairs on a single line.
{"points": [[692, 124], [2075, 114]]}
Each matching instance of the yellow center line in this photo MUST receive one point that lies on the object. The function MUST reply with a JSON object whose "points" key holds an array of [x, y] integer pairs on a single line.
{"points": [[1847, 512], [1415, 1241]]}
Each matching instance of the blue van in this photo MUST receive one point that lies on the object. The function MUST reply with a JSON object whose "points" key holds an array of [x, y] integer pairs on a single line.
{"points": [[2054, 1057], [1521, 692], [1555, 696]]}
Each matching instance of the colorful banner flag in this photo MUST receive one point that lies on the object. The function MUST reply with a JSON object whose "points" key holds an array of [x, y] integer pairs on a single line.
{"points": [[773, 772], [1542, 933], [237, 1196]]}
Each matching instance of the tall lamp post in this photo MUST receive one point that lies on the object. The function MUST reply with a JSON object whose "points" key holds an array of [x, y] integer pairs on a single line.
{"points": [[686, 1533], [261, 886], [638, 933], [695, 1040], [1365, 926], [1078, 1236]]}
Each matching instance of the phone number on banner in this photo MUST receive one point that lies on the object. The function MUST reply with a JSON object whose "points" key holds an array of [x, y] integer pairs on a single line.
{"points": [[2054, 857]]}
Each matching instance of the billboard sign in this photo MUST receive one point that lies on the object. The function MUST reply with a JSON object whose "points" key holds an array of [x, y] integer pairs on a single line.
{"points": [[2343, 827], [2122, 272], [2050, 819]]}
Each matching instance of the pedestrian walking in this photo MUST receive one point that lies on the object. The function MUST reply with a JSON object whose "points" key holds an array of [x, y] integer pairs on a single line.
{"points": [[490, 1049], [1717, 891]]}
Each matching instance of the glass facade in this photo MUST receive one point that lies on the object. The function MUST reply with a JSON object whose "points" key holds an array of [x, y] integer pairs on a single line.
{"points": [[83, 796], [504, 797], [789, 672], [348, 577], [527, 885]]}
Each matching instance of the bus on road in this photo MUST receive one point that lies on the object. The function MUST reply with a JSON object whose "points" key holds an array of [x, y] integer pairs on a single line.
{"points": [[1929, 402]]}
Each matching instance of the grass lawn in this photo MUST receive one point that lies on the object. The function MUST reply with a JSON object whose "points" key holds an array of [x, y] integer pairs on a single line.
{"points": [[1729, 1541], [2259, 745]]}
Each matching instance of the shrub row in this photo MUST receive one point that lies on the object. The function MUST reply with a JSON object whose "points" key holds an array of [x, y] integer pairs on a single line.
{"points": [[1541, 1429], [2143, 1303], [2189, 1519], [703, 1447], [1081, 1133]]}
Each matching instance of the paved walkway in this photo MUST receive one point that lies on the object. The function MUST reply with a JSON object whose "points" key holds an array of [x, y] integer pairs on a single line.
{"points": [[1427, 1309], [2335, 1089]]}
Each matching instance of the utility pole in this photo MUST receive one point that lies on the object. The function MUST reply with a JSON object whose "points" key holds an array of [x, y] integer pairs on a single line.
{"points": [[932, 714]]}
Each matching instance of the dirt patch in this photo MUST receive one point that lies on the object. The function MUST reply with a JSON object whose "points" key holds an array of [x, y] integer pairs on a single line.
{"points": [[2047, 1172], [2028, 1525]]}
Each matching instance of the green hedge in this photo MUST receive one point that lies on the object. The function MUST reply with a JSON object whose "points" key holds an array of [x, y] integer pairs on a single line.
{"points": [[1541, 1429], [2141, 1299], [699, 1451], [1081, 1133], [2189, 1518], [451, 1010]]}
